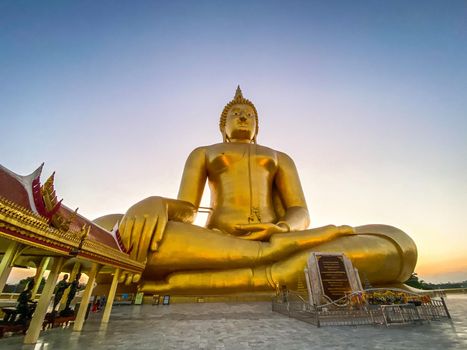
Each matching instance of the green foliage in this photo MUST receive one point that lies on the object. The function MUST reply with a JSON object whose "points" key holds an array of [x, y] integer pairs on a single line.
{"points": [[415, 282], [21, 285]]}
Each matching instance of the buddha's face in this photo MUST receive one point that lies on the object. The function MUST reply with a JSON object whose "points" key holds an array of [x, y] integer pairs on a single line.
{"points": [[240, 123]]}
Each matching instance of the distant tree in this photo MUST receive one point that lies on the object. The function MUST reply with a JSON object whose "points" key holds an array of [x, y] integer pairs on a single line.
{"points": [[9, 288], [415, 282], [21, 285]]}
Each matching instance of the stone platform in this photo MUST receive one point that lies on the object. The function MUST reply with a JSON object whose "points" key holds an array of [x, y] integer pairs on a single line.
{"points": [[243, 326]]}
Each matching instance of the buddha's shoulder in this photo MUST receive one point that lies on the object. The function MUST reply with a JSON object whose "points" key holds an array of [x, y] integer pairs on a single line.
{"points": [[206, 149], [223, 146], [220, 148], [210, 149]]}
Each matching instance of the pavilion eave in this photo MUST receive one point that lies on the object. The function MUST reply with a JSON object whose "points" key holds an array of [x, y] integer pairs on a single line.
{"points": [[26, 227]]}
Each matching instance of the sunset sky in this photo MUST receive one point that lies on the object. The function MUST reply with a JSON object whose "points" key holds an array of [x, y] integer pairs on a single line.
{"points": [[368, 97]]}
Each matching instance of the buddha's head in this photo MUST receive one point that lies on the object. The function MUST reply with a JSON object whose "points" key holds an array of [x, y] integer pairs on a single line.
{"points": [[239, 119]]}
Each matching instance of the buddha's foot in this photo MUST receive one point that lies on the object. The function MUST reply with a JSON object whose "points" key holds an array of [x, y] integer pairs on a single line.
{"points": [[152, 287], [209, 281]]}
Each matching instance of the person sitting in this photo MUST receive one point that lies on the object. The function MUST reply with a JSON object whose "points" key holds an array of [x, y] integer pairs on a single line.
{"points": [[25, 305]]}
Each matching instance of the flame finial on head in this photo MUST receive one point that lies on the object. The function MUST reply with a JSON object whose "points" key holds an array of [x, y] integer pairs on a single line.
{"points": [[238, 93], [238, 99]]}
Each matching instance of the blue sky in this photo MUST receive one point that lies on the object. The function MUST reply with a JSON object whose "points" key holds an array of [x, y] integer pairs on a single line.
{"points": [[368, 97]]}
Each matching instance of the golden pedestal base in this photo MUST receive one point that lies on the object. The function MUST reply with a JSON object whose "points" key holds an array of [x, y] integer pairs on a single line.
{"points": [[228, 298]]}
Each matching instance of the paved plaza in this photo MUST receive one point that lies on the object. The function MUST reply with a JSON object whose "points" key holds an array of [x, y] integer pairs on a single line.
{"points": [[243, 326]]}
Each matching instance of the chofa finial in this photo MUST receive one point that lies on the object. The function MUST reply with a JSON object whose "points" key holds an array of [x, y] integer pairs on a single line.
{"points": [[238, 93]]}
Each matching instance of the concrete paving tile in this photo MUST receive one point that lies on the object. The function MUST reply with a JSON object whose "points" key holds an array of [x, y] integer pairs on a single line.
{"points": [[243, 326]]}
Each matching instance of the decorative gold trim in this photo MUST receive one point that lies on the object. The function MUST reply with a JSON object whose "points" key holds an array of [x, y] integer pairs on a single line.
{"points": [[30, 225], [12, 209], [27, 234], [100, 249]]}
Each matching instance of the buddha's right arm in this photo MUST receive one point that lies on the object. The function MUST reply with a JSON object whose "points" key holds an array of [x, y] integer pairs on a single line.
{"points": [[143, 225], [194, 177]]}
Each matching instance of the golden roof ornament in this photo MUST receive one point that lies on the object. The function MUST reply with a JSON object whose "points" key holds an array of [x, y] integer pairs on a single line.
{"points": [[53, 205]]}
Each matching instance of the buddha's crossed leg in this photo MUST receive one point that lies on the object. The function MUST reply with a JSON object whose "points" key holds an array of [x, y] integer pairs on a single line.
{"points": [[201, 260]]}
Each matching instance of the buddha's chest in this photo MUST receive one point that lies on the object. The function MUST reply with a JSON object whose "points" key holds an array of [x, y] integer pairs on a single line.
{"points": [[242, 159]]}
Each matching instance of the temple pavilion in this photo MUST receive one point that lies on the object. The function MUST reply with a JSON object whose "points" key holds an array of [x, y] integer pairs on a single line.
{"points": [[38, 230]]}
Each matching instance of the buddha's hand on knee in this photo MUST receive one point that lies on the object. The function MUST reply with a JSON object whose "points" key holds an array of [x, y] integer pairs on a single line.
{"points": [[143, 225], [259, 232]]}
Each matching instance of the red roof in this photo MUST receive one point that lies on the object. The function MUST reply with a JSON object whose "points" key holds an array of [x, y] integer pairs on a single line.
{"points": [[12, 189], [96, 233], [19, 189]]}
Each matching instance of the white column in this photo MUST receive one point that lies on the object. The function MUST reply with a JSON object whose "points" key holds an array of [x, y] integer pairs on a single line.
{"points": [[39, 273], [41, 309], [78, 326], [110, 297], [5, 264]]}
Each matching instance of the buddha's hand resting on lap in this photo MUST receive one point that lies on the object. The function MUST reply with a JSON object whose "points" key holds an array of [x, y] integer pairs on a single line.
{"points": [[260, 231], [143, 225]]}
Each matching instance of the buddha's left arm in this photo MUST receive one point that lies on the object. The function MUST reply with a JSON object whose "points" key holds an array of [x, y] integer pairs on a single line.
{"points": [[290, 190]]}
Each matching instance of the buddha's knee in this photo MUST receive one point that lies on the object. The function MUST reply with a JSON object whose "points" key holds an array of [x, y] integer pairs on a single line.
{"points": [[382, 254], [108, 221], [406, 258]]}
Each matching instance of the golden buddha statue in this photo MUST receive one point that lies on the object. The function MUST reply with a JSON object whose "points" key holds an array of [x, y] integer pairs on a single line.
{"points": [[256, 236]]}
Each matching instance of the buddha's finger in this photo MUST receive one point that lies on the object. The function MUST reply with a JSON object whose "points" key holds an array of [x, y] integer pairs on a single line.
{"points": [[261, 235], [150, 227], [137, 235], [134, 237], [121, 225], [243, 227], [160, 228], [121, 230], [145, 239], [127, 233], [255, 236], [150, 231], [251, 227]]}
